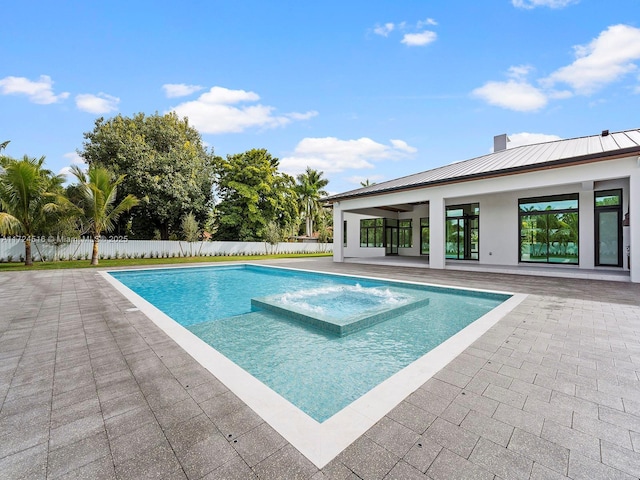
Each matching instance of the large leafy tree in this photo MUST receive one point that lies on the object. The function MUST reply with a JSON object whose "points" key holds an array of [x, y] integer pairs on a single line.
{"points": [[28, 194], [252, 194], [310, 189], [101, 210], [166, 166]]}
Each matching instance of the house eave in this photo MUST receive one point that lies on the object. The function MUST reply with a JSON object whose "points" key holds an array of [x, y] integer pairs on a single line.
{"points": [[564, 162]]}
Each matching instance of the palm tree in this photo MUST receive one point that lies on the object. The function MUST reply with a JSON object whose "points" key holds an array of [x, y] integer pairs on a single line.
{"points": [[99, 194], [310, 190], [27, 196]]}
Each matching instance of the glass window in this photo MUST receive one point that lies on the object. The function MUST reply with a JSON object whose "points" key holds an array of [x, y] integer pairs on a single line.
{"points": [[405, 234], [608, 198], [344, 233], [424, 236], [371, 232], [463, 242], [557, 202], [463, 210], [608, 223], [549, 229]]}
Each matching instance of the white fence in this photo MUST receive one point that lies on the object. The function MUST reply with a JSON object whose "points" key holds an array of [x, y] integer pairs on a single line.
{"points": [[12, 249]]}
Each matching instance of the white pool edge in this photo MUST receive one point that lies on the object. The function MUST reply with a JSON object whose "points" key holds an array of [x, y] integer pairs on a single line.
{"points": [[321, 442]]}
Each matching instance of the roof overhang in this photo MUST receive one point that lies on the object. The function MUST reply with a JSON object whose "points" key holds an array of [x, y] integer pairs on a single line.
{"points": [[564, 162]]}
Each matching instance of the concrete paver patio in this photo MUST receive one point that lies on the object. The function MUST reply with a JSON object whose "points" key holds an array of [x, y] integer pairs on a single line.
{"points": [[89, 389]]}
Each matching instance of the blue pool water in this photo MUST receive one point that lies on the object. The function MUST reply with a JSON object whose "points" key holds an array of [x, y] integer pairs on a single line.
{"points": [[317, 371]]}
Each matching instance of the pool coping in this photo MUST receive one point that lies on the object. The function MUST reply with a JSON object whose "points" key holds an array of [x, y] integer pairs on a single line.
{"points": [[319, 442]]}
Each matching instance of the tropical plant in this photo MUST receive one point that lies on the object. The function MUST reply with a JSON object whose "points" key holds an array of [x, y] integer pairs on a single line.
{"points": [[190, 230], [325, 225], [366, 183], [272, 235], [310, 189], [252, 193], [99, 192], [166, 164], [27, 198]]}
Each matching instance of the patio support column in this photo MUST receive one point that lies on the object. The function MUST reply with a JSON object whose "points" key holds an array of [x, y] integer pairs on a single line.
{"points": [[634, 223], [436, 233], [586, 234], [338, 222]]}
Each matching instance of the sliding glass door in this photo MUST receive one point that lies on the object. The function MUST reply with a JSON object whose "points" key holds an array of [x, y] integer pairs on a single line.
{"points": [[549, 229], [608, 220], [462, 232]]}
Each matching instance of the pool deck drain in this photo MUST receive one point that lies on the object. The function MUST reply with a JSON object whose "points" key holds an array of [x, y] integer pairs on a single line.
{"points": [[88, 390]]}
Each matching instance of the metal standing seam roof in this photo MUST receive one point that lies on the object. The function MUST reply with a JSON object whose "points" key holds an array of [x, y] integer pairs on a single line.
{"points": [[514, 160]]}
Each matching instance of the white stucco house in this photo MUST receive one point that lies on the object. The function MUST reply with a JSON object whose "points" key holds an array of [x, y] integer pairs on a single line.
{"points": [[570, 204]]}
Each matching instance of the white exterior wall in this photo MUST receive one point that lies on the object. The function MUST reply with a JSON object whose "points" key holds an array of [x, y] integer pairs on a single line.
{"points": [[499, 220]]}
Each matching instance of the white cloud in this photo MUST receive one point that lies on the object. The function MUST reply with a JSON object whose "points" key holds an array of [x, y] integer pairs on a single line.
{"points": [[559, 94], [529, 4], [302, 116], [66, 171], [74, 159], [98, 104], [384, 30], [359, 179], [403, 146], [419, 39], [225, 96], [216, 111], [330, 154], [39, 91], [411, 39], [173, 90], [606, 59], [512, 94], [424, 23], [519, 72], [527, 138]]}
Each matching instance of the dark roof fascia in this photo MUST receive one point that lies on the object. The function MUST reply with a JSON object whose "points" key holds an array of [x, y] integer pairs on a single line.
{"points": [[590, 158]]}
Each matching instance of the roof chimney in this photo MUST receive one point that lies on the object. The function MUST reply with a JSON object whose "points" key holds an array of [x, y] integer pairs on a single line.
{"points": [[500, 142]]}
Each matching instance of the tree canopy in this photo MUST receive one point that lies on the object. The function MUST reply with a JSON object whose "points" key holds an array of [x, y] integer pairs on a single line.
{"points": [[99, 193], [252, 193], [166, 166], [310, 189], [28, 194]]}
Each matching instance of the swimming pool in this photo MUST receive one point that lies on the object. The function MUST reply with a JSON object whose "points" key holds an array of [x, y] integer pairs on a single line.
{"points": [[324, 375]]}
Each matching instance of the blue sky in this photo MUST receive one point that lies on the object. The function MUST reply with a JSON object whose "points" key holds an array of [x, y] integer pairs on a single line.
{"points": [[358, 89]]}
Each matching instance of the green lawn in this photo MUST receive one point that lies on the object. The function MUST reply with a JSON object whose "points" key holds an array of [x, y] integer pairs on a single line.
{"points": [[130, 262]]}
